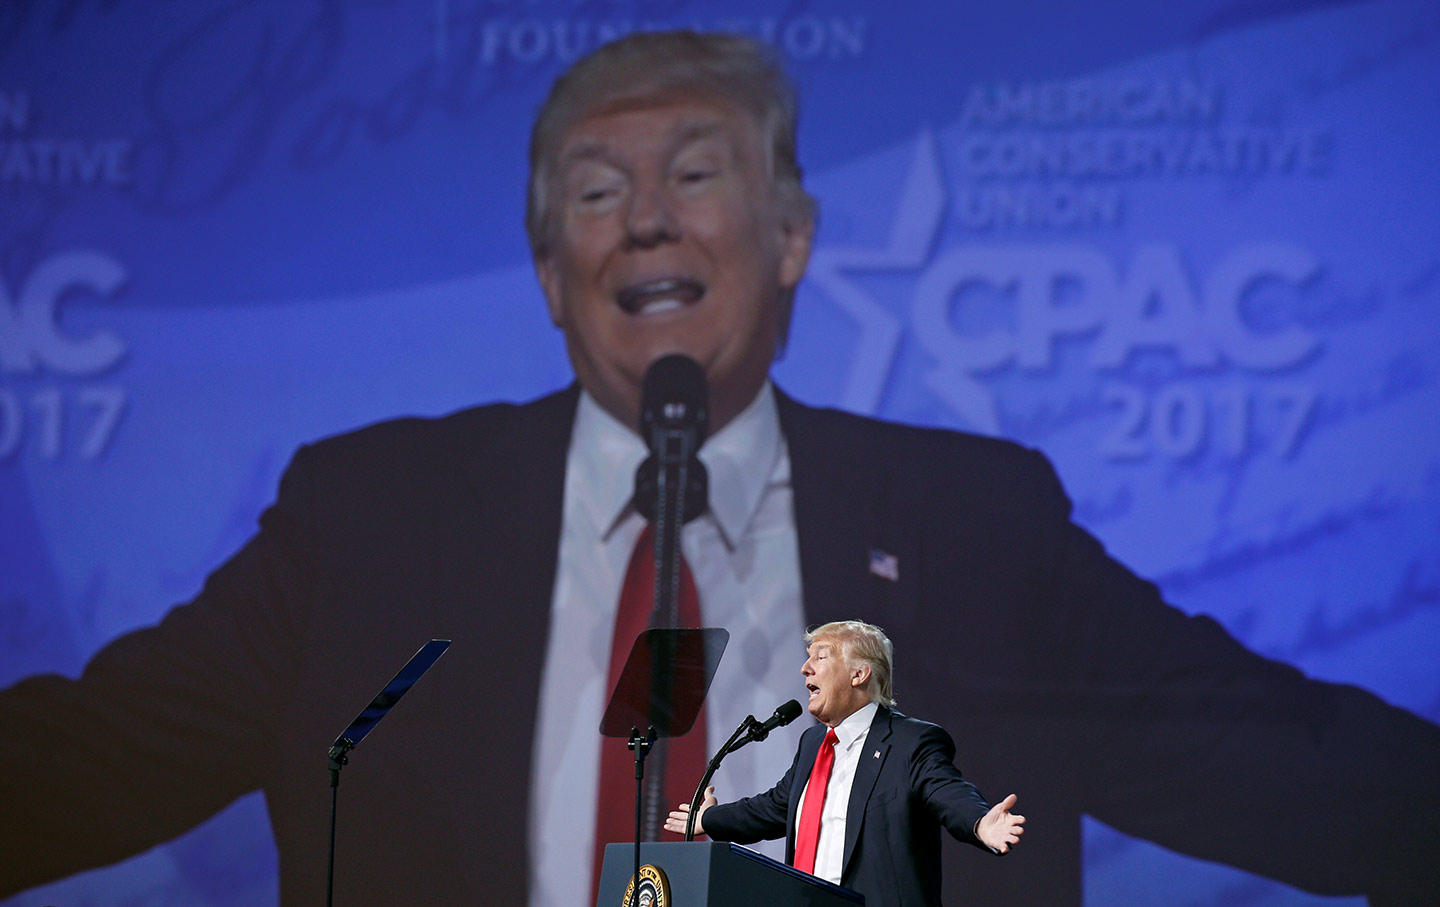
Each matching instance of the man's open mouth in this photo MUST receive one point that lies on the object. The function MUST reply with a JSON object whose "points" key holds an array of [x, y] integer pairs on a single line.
{"points": [[664, 295]]}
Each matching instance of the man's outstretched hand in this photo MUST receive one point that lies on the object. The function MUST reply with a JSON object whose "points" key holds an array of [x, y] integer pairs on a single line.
{"points": [[676, 820], [998, 829]]}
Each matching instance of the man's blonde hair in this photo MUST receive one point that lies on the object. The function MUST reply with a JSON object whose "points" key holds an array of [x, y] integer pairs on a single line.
{"points": [[862, 642]]}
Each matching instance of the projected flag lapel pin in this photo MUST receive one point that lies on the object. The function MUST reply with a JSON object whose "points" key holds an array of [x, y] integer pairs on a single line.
{"points": [[885, 565]]}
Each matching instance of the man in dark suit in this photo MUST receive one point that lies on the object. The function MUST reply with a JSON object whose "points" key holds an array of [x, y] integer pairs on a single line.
{"points": [[864, 801], [667, 215]]}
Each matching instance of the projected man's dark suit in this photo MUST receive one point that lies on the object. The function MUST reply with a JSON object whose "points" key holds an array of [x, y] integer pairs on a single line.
{"points": [[1060, 674]]}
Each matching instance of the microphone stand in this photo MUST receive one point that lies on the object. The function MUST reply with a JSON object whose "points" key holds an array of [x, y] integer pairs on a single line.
{"points": [[746, 728], [671, 481], [339, 753], [674, 422], [339, 758], [641, 745], [654, 700], [676, 449], [749, 731]]}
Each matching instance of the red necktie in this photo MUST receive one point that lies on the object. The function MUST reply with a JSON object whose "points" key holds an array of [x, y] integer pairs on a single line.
{"points": [[807, 835], [679, 760]]}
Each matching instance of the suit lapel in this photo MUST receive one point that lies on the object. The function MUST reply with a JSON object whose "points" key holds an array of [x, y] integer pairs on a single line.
{"points": [[844, 519], [505, 552], [834, 514], [872, 759]]}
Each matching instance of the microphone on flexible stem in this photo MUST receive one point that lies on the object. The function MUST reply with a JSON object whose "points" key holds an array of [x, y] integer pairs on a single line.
{"points": [[749, 730], [783, 716]]}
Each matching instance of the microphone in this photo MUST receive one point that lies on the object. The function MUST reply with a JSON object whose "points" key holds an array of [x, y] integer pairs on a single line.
{"points": [[674, 421], [783, 716], [749, 730], [674, 399]]}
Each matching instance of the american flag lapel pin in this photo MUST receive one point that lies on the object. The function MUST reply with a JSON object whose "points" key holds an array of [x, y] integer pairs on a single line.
{"points": [[877, 754], [885, 565]]}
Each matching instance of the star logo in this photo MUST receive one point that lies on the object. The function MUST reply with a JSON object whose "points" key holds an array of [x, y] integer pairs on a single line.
{"points": [[917, 222]]}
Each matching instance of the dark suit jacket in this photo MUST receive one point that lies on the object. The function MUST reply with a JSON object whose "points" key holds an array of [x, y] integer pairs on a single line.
{"points": [[906, 789], [1065, 677]]}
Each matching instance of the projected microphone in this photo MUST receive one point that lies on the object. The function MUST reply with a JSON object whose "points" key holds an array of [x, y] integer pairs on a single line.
{"points": [[749, 730], [674, 421], [674, 401]]}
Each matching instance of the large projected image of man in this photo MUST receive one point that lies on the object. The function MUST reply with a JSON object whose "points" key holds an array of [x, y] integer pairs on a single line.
{"points": [[667, 215]]}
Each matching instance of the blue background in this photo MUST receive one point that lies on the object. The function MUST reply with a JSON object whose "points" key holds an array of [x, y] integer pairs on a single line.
{"points": [[232, 227]]}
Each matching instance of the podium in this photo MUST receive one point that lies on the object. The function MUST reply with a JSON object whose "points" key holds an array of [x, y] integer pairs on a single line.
{"points": [[716, 874]]}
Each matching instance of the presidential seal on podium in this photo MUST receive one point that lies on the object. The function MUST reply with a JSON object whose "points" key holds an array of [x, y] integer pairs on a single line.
{"points": [[654, 888]]}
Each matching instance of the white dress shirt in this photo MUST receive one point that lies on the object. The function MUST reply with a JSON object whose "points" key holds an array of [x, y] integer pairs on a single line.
{"points": [[746, 563], [850, 744]]}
